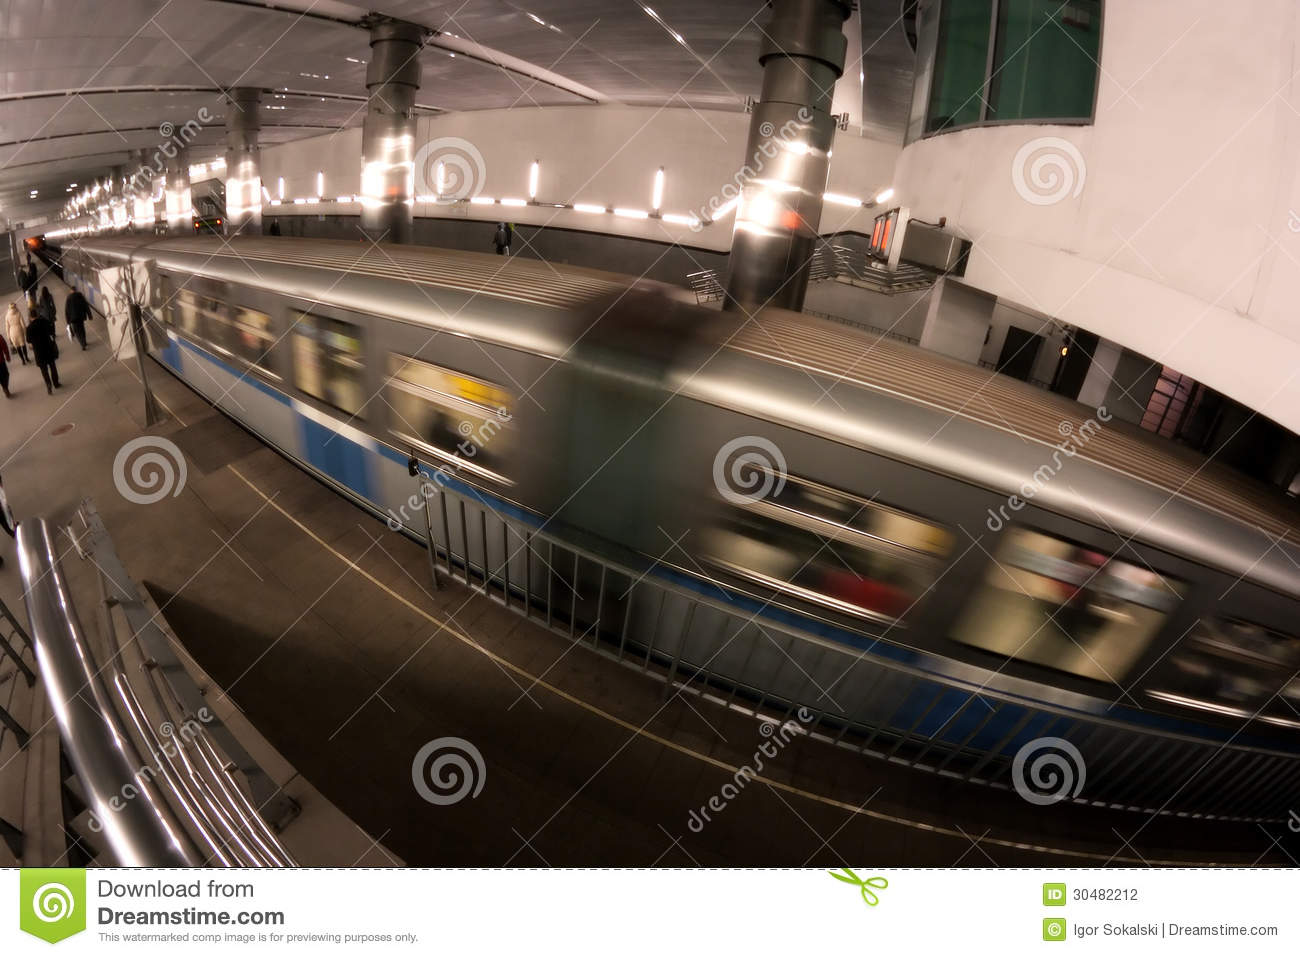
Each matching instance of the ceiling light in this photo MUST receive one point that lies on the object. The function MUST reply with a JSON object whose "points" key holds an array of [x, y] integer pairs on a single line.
{"points": [[885, 195], [588, 208]]}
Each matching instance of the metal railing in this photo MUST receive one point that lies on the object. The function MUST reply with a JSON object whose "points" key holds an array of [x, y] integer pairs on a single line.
{"points": [[678, 626], [841, 263], [163, 781], [14, 646]]}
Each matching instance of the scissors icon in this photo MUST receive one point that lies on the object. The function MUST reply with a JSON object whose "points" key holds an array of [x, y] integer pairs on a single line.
{"points": [[1294, 822], [868, 895]]}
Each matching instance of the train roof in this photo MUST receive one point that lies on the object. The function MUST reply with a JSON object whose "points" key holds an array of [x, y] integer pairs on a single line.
{"points": [[848, 384]]}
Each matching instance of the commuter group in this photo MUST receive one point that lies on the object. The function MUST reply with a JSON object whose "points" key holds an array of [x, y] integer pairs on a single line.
{"points": [[30, 331]]}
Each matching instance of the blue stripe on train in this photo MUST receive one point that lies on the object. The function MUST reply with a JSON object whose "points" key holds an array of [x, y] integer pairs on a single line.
{"points": [[342, 459]]}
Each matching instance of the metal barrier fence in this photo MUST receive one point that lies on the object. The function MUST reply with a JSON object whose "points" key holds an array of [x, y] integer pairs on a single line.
{"points": [[162, 780], [688, 634]]}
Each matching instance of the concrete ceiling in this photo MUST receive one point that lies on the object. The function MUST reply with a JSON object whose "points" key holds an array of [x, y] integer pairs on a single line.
{"points": [[84, 83]]}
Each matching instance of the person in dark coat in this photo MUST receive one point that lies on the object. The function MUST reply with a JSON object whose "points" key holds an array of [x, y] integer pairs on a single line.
{"points": [[501, 239], [4, 367], [275, 227], [76, 310], [46, 305], [45, 348]]}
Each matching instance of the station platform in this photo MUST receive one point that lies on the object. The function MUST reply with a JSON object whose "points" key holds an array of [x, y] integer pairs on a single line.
{"points": [[324, 628]]}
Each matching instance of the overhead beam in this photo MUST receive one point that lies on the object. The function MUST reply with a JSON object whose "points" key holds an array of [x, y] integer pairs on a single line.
{"points": [[122, 90], [348, 15]]}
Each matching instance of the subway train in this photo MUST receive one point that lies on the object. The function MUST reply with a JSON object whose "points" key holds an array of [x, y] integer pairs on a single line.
{"points": [[997, 548]]}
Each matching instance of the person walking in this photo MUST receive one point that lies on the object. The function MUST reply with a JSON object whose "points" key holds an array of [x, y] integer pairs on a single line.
{"points": [[4, 367], [76, 310], [7, 520], [17, 330], [45, 348], [46, 306]]}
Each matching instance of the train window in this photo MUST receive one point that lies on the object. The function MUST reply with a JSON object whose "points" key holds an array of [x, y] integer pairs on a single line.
{"points": [[327, 361], [197, 315], [1233, 667], [248, 336], [830, 548], [1054, 603], [459, 418]]}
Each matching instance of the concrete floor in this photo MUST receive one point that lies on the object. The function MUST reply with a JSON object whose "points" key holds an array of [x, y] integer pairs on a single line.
{"points": [[321, 625]]}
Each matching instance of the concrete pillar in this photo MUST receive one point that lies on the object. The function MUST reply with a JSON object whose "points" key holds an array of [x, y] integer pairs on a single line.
{"points": [[787, 155], [243, 162], [1097, 383], [957, 320], [388, 131], [180, 204]]}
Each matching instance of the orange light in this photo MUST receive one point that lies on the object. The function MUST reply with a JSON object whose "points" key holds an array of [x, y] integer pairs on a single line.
{"points": [[1065, 350]]}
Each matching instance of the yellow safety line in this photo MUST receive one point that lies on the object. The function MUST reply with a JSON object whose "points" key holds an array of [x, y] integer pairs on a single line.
{"points": [[444, 624]]}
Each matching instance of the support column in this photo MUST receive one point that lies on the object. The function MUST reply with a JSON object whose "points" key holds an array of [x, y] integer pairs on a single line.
{"points": [[788, 155], [180, 203], [388, 131], [243, 161], [141, 193]]}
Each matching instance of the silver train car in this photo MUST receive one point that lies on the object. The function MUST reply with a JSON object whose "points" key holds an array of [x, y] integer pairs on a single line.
{"points": [[946, 566]]}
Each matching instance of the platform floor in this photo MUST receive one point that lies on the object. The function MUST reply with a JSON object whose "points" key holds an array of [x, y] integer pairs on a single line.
{"points": [[321, 625]]}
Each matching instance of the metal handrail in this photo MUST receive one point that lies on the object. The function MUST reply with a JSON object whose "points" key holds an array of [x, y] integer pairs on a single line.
{"points": [[140, 831]]}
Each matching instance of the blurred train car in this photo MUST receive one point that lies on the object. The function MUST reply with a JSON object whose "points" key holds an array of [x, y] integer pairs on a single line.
{"points": [[860, 493]]}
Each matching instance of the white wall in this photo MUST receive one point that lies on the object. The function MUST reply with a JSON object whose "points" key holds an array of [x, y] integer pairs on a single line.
{"points": [[1179, 243], [605, 155]]}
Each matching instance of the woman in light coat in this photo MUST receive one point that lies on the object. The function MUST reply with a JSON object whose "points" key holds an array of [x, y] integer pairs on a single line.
{"points": [[17, 330]]}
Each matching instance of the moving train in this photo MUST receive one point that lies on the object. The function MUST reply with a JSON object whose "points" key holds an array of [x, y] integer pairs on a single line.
{"points": [[844, 487]]}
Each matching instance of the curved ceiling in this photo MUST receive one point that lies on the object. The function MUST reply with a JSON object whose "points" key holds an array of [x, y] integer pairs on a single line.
{"points": [[85, 83]]}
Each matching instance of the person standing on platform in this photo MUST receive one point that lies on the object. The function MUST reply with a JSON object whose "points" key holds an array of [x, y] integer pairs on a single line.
{"points": [[501, 239], [275, 228], [4, 367], [45, 348], [76, 310], [17, 330]]}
